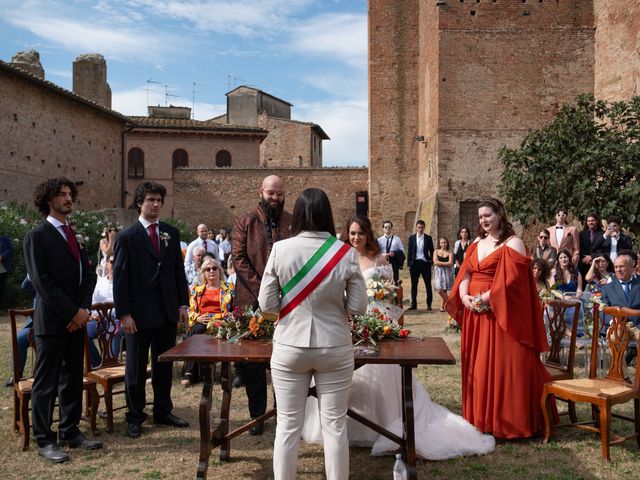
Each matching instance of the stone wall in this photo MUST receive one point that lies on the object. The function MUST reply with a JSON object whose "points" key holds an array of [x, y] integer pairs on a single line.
{"points": [[393, 112], [47, 134], [217, 196], [288, 143], [617, 49], [90, 79]]}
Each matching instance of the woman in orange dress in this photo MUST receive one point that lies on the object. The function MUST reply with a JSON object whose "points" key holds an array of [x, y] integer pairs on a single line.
{"points": [[494, 299]]}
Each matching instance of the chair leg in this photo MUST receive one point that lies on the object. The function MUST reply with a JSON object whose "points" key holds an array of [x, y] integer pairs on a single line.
{"points": [[108, 405], [636, 419], [605, 432], [16, 412], [548, 427], [572, 411], [24, 422]]}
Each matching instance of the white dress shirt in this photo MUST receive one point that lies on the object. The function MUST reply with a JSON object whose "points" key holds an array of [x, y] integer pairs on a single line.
{"points": [[198, 242], [420, 247], [396, 244]]}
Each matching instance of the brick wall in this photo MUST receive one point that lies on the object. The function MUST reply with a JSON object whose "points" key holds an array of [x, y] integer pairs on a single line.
{"points": [[288, 143], [47, 134], [617, 46], [217, 196]]}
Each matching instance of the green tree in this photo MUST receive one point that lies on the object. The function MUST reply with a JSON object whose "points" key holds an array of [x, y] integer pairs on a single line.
{"points": [[587, 159]]}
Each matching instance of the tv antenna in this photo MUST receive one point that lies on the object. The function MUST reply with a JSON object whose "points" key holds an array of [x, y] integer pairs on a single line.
{"points": [[147, 88], [235, 79], [167, 95], [193, 99]]}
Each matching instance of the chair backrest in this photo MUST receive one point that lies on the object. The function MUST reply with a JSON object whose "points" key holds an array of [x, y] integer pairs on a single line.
{"points": [[555, 316], [106, 328], [618, 340], [14, 315]]}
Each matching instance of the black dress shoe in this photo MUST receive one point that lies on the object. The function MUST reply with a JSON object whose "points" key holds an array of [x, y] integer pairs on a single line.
{"points": [[133, 430], [9, 382], [54, 453], [412, 307], [237, 382], [81, 442], [171, 420], [257, 429]]}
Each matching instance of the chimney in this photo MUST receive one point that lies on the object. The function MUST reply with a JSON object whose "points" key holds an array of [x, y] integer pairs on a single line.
{"points": [[30, 62], [90, 79]]}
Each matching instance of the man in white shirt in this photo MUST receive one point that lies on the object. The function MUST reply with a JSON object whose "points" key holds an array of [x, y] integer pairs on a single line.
{"points": [[201, 241], [224, 248], [391, 247]]}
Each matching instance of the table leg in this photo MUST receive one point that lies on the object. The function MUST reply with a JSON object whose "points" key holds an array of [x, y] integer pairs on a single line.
{"points": [[221, 429], [205, 421], [407, 419]]}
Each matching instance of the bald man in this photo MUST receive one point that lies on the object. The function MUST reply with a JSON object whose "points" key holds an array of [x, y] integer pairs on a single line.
{"points": [[253, 236], [200, 241]]}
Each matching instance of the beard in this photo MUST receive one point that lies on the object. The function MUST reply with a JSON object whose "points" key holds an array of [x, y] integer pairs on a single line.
{"points": [[272, 212]]}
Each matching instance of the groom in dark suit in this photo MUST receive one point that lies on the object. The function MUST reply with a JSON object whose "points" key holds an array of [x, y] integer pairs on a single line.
{"points": [[150, 294], [420, 260], [63, 281]]}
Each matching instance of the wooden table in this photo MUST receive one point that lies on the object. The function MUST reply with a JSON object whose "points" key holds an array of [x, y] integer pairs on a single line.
{"points": [[207, 350]]}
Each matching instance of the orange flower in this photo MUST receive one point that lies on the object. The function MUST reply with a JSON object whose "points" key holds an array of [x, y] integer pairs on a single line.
{"points": [[253, 326], [386, 330], [379, 295]]}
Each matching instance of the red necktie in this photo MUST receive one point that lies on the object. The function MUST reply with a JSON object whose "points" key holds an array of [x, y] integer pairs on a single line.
{"points": [[153, 236], [71, 241]]}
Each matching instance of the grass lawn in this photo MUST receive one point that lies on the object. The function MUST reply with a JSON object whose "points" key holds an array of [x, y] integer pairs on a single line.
{"points": [[165, 453]]}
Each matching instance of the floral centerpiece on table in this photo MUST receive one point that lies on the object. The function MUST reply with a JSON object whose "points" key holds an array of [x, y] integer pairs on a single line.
{"points": [[241, 323], [373, 326]]}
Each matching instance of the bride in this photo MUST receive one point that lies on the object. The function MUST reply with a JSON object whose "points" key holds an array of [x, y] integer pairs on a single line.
{"points": [[376, 395]]}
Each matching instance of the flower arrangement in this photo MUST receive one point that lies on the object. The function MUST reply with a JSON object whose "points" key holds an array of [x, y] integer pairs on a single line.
{"points": [[381, 289], [241, 323], [452, 325], [479, 305], [592, 303], [374, 326]]}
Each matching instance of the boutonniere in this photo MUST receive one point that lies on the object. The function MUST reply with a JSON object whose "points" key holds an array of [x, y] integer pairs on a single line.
{"points": [[165, 237]]}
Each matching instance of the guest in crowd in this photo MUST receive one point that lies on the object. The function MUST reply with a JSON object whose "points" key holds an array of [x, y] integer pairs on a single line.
{"points": [[564, 236], [590, 236], [613, 240], [231, 271], [541, 274], [495, 301], [106, 246], [192, 270], [224, 247], [61, 275], [150, 294], [201, 241], [443, 270], [210, 299], [565, 274], [254, 234], [543, 250], [598, 274], [419, 260], [211, 235], [460, 248], [6, 256], [312, 339], [392, 249]]}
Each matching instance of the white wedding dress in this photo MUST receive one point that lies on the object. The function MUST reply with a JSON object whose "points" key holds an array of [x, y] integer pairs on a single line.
{"points": [[375, 394]]}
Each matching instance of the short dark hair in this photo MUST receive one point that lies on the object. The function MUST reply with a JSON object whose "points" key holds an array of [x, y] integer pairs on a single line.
{"points": [[421, 222], [48, 189], [562, 209], [387, 221], [614, 219], [312, 213], [364, 223], [143, 189]]}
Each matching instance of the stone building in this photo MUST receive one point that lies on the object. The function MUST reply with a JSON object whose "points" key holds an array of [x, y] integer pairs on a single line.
{"points": [[451, 81]]}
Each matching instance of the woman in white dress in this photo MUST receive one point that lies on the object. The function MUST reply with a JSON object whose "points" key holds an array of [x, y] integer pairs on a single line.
{"points": [[439, 434]]}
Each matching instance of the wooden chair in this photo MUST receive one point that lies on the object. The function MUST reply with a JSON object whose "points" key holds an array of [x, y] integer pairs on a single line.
{"points": [[22, 387], [602, 393], [555, 316], [111, 370]]}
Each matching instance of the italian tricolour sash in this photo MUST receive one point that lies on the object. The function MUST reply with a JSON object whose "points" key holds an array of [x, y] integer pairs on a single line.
{"points": [[311, 274]]}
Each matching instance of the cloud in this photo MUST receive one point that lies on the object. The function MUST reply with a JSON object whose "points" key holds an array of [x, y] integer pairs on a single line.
{"points": [[342, 36], [346, 125], [339, 84]]}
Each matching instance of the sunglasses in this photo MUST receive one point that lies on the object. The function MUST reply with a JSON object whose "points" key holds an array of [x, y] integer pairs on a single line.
{"points": [[210, 269]]}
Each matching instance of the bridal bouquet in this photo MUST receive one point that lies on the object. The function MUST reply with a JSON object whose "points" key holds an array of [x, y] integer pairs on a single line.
{"points": [[241, 323], [374, 326], [381, 289]]}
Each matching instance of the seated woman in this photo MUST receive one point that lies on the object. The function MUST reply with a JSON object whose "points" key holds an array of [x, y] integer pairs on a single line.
{"points": [[211, 299], [598, 274], [541, 274], [566, 276]]}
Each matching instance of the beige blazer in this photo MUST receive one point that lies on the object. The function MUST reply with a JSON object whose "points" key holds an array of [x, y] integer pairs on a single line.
{"points": [[321, 320], [570, 241]]}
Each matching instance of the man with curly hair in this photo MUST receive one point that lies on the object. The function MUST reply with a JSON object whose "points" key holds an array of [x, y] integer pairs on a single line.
{"points": [[63, 280]]}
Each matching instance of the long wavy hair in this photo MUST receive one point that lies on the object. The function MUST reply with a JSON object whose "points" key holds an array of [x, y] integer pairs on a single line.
{"points": [[506, 229], [371, 243]]}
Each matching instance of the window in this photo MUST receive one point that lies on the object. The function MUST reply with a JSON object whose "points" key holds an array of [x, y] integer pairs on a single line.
{"points": [[180, 158], [223, 159], [136, 163]]}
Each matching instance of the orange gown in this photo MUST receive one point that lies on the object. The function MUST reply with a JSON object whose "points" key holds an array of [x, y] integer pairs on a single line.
{"points": [[502, 375]]}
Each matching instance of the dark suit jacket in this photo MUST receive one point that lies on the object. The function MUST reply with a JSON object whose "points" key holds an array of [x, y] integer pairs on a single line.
{"points": [[587, 247], [428, 249], [613, 295], [55, 275], [6, 252], [149, 287], [251, 252], [604, 244]]}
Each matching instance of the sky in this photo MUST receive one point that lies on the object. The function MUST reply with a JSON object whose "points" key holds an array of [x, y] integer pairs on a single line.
{"points": [[312, 54]]}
